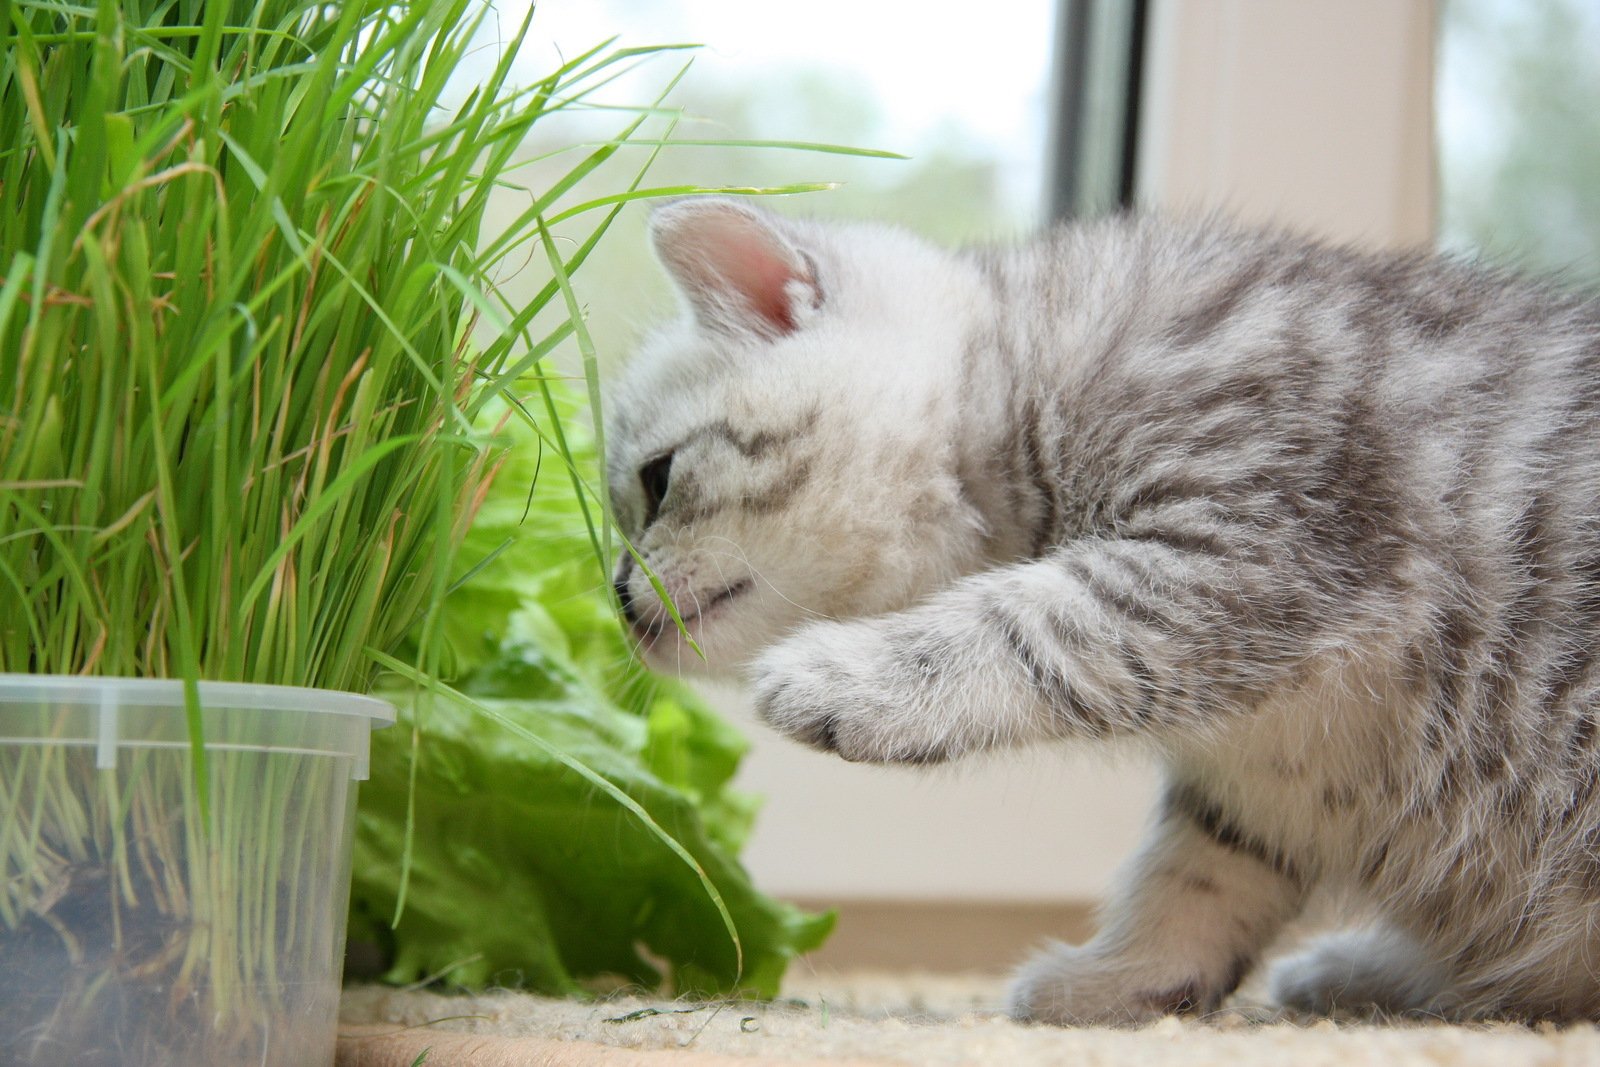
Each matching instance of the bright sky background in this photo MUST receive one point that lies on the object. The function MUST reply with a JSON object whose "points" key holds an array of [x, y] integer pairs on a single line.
{"points": [[987, 70]]}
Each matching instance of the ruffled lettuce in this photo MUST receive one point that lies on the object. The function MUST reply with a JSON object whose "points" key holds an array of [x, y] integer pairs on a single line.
{"points": [[523, 872]]}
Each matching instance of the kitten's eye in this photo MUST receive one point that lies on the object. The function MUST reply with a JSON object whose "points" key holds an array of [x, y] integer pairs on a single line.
{"points": [[655, 476]]}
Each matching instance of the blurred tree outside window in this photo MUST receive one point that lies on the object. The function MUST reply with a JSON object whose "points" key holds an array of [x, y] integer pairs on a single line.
{"points": [[1518, 100]]}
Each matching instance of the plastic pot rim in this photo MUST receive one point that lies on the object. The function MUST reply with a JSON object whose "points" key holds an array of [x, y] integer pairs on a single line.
{"points": [[168, 693]]}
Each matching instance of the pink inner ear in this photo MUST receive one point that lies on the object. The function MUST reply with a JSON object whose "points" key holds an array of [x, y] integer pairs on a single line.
{"points": [[762, 277], [734, 266]]}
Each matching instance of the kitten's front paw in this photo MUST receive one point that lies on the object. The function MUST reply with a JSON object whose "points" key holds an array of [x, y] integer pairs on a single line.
{"points": [[1069, 985], [839, 687]]}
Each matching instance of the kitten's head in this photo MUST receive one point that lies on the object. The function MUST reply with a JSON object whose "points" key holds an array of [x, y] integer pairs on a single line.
{"points": [[783, 451]]}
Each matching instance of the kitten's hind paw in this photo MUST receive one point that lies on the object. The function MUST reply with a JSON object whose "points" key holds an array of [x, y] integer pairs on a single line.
{"points": [[1366, 972]]}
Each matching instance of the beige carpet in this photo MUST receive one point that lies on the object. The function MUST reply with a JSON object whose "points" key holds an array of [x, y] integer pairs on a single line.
{"points": [[894, 1019]]}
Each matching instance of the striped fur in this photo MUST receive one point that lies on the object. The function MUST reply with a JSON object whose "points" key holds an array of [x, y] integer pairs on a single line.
{"points": [[1319, 528]]}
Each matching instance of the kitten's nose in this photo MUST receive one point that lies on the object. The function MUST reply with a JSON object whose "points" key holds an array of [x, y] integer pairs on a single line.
{"points": [[625, 598]]}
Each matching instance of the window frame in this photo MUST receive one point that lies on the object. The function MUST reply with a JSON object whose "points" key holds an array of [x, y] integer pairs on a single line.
{"points": [[1097, 81], [1322, 118]]}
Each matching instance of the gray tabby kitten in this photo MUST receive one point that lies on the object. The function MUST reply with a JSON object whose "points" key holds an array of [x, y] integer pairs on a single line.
{"points": [[1319, 528]]}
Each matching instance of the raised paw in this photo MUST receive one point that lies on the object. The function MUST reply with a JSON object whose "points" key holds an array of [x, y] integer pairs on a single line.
{"points": [[1067, 985], [840, 687]]}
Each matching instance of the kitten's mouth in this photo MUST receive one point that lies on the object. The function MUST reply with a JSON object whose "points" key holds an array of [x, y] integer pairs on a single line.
{"points": [[650, 631]]}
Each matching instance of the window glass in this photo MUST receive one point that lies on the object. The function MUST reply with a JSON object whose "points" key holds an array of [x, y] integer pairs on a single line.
{"points": [[1519, 133], [966, 98]]}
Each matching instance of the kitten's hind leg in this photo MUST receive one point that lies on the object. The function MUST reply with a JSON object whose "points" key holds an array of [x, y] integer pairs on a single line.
{"points": [[1201, 902], [1372, 970]]}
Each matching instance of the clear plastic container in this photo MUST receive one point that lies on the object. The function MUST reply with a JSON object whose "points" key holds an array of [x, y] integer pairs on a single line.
{"points": [[133, 930]]}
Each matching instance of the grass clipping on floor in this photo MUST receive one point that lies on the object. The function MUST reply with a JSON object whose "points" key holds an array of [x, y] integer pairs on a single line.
{"points": [[904, 1018]]}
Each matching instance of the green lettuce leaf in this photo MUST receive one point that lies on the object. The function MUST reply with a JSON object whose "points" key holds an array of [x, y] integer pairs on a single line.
{"points": [[524, 873]]}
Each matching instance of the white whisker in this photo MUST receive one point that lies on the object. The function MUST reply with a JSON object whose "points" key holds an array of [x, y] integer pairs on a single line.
{"points": [[744, 560]]}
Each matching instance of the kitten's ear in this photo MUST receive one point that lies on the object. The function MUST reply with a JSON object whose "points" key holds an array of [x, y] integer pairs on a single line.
{"points": [[737, 269]]}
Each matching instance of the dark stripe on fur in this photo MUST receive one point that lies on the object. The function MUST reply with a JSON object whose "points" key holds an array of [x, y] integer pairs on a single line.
{"points": [[756, 445], [1045, 677], [1033, 452], [776, 495], [1188, 802], [1219, 307]]}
